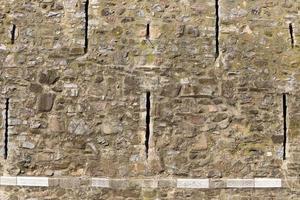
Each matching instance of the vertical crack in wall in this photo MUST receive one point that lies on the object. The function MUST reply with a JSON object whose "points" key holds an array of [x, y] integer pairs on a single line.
{"points": [[284, 107], [217, 29], [86, 27], [147, 134], [292, 35], [148, 31], [6, 129], [13, 34], [148, 34]]}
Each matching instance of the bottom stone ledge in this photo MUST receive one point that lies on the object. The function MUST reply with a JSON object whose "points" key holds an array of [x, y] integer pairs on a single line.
{"points": [[125, 183]]}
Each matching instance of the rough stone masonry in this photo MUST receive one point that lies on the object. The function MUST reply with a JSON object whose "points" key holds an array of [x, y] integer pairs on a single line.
{"points": [[149, 99]]}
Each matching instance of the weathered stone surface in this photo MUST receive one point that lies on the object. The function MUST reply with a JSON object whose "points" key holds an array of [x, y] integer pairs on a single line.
{"points": [[192, 183], [49, 77], [46, 101], [78, 127], [77, 72], [36, 88], [111, 126]]}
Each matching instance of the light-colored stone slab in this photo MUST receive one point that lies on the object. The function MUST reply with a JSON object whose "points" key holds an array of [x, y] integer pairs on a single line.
{"points": [[267, 182], [192, 183], [32, 181], [8, 180], [150, 183], [240, 183], [100, 182]]}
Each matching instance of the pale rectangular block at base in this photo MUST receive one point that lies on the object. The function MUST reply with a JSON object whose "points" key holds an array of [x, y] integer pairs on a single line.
{"points": [[100, 182], [267, 183], [8, 180], [192, 183], [240, 183], [32, 181], [150, 183]]}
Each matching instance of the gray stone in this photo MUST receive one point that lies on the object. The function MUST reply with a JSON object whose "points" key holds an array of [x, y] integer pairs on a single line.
{"points": [[78, 127], [49, 77], [46, 102], [35, 88]]}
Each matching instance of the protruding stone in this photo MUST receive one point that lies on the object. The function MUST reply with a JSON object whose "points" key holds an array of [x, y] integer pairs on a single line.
{"points": [[49, 77], [35, 88], [78, 127], [28, 145], [46, 101]]}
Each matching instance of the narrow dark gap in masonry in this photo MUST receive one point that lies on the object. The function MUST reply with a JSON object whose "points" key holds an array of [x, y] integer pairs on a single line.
{"points": [[217, 29], [292, 34], [147, 135], [148, 34], [284, 107], [148, 31], [6, 129], [86, 39], [13, 34]]}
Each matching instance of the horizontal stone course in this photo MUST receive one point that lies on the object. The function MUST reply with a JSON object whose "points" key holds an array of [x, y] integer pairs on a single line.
{"points": [[115, 183]]}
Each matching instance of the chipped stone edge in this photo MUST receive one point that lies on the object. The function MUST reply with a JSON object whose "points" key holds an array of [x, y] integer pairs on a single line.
{"points": [[184, 183]]}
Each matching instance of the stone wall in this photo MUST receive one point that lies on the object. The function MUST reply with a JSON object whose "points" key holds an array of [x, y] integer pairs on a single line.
{"points": [[155, 89]]}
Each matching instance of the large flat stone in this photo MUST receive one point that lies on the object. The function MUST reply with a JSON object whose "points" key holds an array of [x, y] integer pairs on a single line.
{"points": [[100, 182], [8, 180], [240, 183], [192, 183], [267, 183], [32, 181]]}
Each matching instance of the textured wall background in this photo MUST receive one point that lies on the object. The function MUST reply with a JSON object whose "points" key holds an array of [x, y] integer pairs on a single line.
{"points": [[74, 81]]}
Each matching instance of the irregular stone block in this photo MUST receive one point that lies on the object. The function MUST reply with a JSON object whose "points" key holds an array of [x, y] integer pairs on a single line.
{"points": [[35, 88], [28, 145], [78, 127], [46, 101], [49, 77]]}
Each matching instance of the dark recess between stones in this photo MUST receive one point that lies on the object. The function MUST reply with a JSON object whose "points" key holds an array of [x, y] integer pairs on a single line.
{"points": [[6, 129], [284, 107], [148, 110], [217, 29], [86, 39], [13, 34], [292, 35]]}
